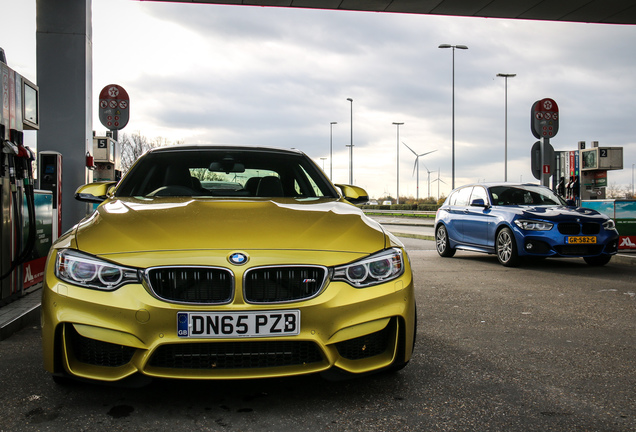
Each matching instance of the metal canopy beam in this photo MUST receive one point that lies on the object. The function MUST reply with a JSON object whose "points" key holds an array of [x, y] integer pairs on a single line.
{"points": [[589, 11]]}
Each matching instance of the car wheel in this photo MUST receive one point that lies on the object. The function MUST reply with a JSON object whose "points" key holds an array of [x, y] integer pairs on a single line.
{"points": [[507, 248], [442, 243], [600, 260]]}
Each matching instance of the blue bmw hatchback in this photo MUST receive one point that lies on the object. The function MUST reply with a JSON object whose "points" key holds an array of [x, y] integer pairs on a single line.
{"points": [[517, 220]]}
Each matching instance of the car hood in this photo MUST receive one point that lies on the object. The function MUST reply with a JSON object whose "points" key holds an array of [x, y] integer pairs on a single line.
{"points": [[556, 213], [137, 225]]}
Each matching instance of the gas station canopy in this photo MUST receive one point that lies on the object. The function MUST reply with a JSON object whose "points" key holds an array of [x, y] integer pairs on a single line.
{"points": [[589, 11]]}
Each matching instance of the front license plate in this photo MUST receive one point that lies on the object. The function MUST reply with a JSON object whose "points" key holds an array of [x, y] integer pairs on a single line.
{"points": [[581, 240], [238, 324]]}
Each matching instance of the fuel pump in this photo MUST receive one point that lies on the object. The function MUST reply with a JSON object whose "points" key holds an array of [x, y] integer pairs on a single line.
{"points": [[17, 176], [18, 112], [107, 158], [50, 178]]}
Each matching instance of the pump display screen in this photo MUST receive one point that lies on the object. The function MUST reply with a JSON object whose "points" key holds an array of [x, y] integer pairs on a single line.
{"points": [[31, 107]]}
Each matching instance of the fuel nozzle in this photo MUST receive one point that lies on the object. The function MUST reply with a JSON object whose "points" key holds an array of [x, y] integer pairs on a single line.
{"points": [[10, 148], [13, 144]]}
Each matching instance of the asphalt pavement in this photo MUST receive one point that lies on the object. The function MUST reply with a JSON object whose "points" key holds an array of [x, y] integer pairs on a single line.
{"points": [[548, 346]]}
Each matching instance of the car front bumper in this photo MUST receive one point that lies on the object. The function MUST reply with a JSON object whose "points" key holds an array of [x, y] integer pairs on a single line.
{"points": [[109, 336], [551, 244]]}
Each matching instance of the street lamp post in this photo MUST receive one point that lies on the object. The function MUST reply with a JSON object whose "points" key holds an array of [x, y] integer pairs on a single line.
{"points": [[398, 161], [351, 146], [633, 197], [331, 150], [506, 76], [463, 47]]}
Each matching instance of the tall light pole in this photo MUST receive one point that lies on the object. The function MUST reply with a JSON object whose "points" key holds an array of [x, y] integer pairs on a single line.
{"points": [[398, 161], [463, 47], [633, 197], [331, 150], [506, 76], [351, 146]]}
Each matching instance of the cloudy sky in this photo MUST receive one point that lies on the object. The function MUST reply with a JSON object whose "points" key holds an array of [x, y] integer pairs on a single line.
{"points": [[279, 77]]}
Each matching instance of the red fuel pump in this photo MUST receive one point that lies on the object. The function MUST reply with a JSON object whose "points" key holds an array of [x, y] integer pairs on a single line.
{"points": [[17, 186], [18, 111]]}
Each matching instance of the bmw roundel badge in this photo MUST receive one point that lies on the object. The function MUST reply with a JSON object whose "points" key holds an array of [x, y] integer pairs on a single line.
{"points": [[237, 258]]}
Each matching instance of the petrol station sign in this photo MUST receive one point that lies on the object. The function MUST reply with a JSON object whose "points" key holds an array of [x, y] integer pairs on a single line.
{"points": [[544, 124], [538, 165], [545, 118], [114, 107]]}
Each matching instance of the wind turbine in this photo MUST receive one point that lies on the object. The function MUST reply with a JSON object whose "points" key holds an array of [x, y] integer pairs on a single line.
{"points": [[429, 179], [438, 180], [416, 167]]}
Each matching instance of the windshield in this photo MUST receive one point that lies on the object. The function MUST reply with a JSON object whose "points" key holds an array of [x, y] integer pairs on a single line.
{"points": [[524, 195], [225, 173]]}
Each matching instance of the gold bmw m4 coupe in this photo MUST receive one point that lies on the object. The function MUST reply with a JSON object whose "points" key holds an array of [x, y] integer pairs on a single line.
{"points": [[210, 262]]}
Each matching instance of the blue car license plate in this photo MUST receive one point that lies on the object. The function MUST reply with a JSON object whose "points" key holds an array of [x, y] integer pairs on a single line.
{"points": [[238, 324], [581, 240]]}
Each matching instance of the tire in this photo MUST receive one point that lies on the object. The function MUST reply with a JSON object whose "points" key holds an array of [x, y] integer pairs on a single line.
{"points": [[506, 248], [442, 243], [598, 261]]}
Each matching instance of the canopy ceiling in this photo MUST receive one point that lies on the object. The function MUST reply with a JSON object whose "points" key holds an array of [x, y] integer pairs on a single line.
{"points": [[589, 11]]}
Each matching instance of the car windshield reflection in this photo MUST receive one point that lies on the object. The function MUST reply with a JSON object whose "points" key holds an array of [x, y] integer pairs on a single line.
{"points": [[524, 196], [225, 173]]}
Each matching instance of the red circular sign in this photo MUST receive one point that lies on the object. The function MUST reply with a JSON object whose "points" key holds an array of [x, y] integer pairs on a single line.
{"points": [[114, 102], [545, 118]]}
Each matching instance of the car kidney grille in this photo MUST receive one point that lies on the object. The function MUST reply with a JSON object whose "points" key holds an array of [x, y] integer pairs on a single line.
{"points": [[235, 355], [206, 285], [569, 228], [283, 284], [575, 228], [590, 228]]}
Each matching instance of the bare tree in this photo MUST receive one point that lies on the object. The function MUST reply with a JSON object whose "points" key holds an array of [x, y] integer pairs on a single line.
{"points": [[627, 191], [613, 191], [132, 147], [135, 145]]}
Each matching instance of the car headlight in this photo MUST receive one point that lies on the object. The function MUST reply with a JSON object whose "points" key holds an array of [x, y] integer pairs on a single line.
{"points": [[609, 224], [85, 270], [532, 225], [379, 268]]}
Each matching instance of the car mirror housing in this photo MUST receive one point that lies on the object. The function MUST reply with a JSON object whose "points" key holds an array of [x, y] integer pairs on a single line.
{"points": [[94, 192], [478, 202], [353, 194]]}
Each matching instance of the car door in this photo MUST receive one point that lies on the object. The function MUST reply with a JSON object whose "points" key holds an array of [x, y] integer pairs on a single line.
{"points": [[477, 219], [457, 213]]}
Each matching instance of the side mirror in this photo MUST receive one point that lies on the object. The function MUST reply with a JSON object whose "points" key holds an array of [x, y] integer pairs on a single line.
{"points": [[94, 192], [570, 203], [478, 202], [353, 194]]}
